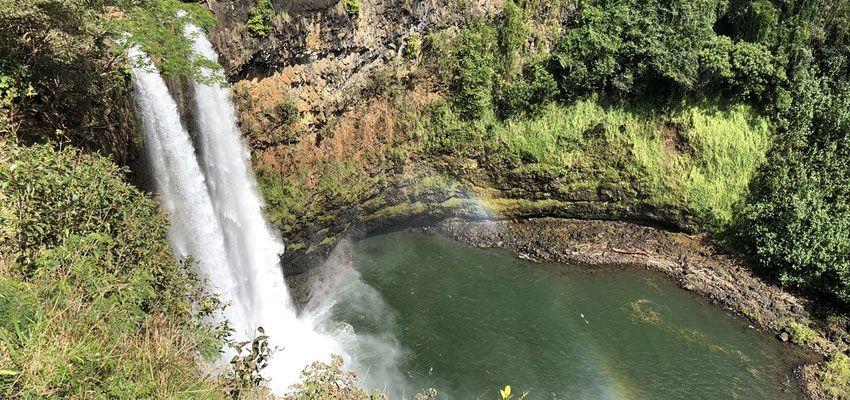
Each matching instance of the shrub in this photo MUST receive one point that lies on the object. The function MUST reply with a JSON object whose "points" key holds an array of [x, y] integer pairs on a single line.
{"points": [[474, 72], [116, 316], [413, 46], [629, 48], [352, 7], [244, 378], [258, 23], [513, 33], [797, 223], [527, 93], [802, 334], [835, 376], [330, 381], [286, 113]]}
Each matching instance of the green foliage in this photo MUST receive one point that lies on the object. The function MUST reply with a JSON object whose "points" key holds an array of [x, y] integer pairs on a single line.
{"points": [[413, 46], [156, 27], [17, 307], [835, 376], [15, 92], [261, 17], [513, 33], [246, 366], [323, 381], [69, 66], [527, 93], [116, 316], [285, 200], [474, 70], [48, 190], [352, 7], [802, 334], [286, 113], [696, 160], [797, 226], [630, 48]]}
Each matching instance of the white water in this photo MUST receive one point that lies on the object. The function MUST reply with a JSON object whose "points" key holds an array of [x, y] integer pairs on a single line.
{"points": [[194, 228], [216, 214]]}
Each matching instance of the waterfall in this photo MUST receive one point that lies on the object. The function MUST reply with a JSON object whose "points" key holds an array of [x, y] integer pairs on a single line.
{"points": [[194, 228], [216, 212]]}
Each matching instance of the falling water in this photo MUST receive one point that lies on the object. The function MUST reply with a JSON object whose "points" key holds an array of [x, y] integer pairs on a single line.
{"points": [[194, 228], [254, 248], [216, 215]]}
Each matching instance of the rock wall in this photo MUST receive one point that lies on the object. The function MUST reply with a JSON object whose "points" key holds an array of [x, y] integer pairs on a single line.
{"points": [[322, 60], [320, 55]]}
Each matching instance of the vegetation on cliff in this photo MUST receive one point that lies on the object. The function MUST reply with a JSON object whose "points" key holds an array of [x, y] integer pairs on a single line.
{"points": [[64, 70], [704, 83], [93, 303], [717, 115]]}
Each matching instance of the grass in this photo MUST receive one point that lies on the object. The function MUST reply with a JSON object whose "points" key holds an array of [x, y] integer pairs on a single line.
{"points": [[802, 334], [92, 302], [698, 157], [286, 199], [835, 376]]}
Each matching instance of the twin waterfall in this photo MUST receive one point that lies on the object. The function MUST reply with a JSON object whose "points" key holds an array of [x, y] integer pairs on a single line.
{"points": [[211, 196]]}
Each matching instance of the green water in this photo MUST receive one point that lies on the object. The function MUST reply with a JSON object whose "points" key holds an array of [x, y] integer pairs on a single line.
{"points": [[469, 321]]}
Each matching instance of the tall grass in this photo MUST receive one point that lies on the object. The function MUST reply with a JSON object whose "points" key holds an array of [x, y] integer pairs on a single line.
{"points": [[696, 157], [92, 302]]}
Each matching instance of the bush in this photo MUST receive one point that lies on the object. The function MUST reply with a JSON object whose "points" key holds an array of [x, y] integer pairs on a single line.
{"points": [[116, 316], [527, 93], [413, 46], [798, 228], [323, 381], [628, 48], [352, 7], [835, 376], [802, 334], [474, 72], [286, 113], [513, 33], [797, 224], [261, 17]]}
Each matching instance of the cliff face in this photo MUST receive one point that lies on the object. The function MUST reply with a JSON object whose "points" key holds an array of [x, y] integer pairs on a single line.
{"points": [[319, 54], [324, 62], [337, 105]]}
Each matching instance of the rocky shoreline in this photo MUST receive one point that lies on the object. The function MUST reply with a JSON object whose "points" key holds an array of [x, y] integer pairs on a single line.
{"points": [[693, 262]]}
